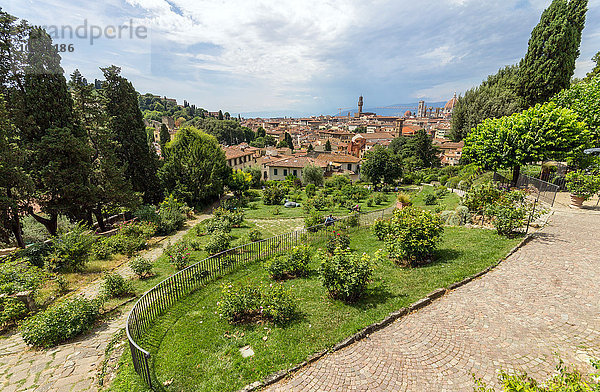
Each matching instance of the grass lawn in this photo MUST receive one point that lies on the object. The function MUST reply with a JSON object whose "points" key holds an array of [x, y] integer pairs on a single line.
{"points": [[258, 210], [448, 202], [199, 351]]}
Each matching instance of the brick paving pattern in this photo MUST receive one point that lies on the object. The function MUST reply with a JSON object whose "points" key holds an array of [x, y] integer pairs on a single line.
{"points": [[543, 301]]}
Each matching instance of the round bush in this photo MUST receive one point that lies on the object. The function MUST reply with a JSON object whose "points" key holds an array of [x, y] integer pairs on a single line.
{"points": [[293, 264], [413, 236], [380, 228], [115, 286], [337, 239], [345, 275], [255, 302], [218, 242], [60, 322], [141, 266], [255, 235]]}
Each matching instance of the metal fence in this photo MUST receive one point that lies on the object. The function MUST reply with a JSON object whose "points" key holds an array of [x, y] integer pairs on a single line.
{"points": [[540, 189], [157, 300]]}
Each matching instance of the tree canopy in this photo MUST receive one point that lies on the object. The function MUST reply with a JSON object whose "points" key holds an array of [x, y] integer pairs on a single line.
{"points": [[379, 164]]}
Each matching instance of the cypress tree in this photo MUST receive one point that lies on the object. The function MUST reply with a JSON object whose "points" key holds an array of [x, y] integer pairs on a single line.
{"points": [[549, 64], [127, 124], [165, 137]]}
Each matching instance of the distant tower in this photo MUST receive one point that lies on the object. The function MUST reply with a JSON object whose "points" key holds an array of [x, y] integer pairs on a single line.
{"points": [[422, 110], [360, 105]]}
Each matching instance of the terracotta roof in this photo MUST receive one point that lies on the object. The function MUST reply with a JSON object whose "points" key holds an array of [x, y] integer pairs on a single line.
{"points": [[337, 158], [236, 152], [296, 162]]}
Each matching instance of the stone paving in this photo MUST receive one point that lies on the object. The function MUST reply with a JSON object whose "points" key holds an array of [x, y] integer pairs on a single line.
{"points": [[72, 366], [542, 302]]}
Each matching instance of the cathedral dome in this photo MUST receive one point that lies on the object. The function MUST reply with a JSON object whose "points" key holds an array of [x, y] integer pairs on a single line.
{"points": [[451, 103]]}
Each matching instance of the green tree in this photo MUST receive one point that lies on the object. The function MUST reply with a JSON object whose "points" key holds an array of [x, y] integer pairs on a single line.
{"points": [[239, 182], [549, 64], [164, 135], [327, 145], [312, 174], [260, 132], [110, 188], [194, 167], [310, 148], [379, 164], [126, 122], [584, 99], [221, 115], [596, 71], [538, 133], [495, 97], [289, 141], [249, 134], [14, 182]]}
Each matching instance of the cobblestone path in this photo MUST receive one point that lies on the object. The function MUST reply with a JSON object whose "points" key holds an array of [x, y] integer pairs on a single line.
{"points": [[543, 301], [72, 366]]}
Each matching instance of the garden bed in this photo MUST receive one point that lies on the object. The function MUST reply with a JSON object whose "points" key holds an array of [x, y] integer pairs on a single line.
{"points": [[198, 350]]}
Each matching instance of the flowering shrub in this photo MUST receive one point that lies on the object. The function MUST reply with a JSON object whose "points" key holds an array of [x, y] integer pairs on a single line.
{"points": [[510, 212], [233, 217], [480, 196], [256, 302], [274, 194], [17, 276], [345, 275], [115, 285], [381, 228], [213, 225], [60, 322], [141, 266], [178, 255], [70, 251], [314, 218], [290, 265], [582, 185], [337, 239], [171, 214], [413, 235]]}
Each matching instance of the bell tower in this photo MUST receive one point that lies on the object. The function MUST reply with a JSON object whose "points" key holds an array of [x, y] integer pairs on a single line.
{"points": [[360, 105]]}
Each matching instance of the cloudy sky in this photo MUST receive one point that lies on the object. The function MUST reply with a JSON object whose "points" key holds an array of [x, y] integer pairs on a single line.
{"points": [[298, 56]]}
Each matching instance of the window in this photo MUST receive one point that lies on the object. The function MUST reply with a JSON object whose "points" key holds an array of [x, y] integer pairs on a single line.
{"points": [[296, 173], [349, 166], [275, 171], [285, 172]]}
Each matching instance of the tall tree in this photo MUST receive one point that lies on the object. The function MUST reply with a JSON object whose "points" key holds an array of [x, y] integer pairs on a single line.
{"points": [[327, 145], [110, 188], [194, 167], [289, 141], [164, 136], [584, 99], [220, 115], [494, 98], [127, 124], [14, 182], [58, 158], [549, 64]]}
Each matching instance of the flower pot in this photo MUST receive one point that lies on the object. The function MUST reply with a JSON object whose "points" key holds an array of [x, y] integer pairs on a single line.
{"points": [[577, 201], [400, 205]]}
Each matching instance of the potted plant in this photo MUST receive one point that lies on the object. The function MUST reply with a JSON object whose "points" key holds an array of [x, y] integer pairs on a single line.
{"points": [[582, 186], [402, 201]]}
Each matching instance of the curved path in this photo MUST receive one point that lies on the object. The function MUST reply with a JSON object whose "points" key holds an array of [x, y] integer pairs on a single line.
{"points": [[72, 366], [542, 301]]}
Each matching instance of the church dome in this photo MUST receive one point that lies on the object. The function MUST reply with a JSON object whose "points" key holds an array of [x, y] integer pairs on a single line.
{"points": [[451, 103], [408, 113]]}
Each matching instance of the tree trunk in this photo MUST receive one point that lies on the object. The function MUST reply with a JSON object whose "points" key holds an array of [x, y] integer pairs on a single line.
{"points": [[515, 177], [51, 224], [16, 229], [100, 219]]}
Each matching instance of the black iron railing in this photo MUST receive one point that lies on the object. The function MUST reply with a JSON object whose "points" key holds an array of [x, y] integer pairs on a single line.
{"points": [[157, 300]]}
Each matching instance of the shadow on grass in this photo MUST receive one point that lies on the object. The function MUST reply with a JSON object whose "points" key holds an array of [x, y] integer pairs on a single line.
{"points": [[376, 295], [443, 256]]}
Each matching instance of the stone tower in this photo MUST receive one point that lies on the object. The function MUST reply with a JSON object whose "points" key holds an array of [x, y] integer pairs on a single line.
{"points": [[360, 105], [422, 110]]}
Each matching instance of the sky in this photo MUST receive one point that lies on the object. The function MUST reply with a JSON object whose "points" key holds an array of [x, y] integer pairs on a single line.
{"points": [[296, 57]]}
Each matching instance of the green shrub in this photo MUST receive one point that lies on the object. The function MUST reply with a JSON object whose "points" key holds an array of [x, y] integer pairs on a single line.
{"points": [[509, 212], [582, 185], [34, 232], [353, 220], [381, 228], [370, 202], [103, 248], [310, 190], [337, 239], [141, 266], [234, 218], [429, 199], [379, 198], [255, 235], [459, 217], [413, 235], [36, 254], [345, 275], [147, 213], [60, 322], [212, 225], [16, 276], [337, 182], [132, 237], [247, 303], [172, 214], [274, 194], [480, 196], [70, 251], [564, 380], [313, 220], [178, 255], [115, 286], [293, 264], [11, 310], [441, 192], [218, 242]]}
